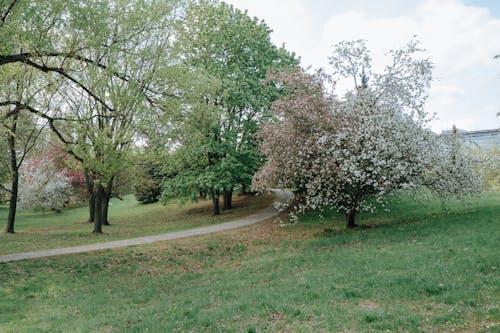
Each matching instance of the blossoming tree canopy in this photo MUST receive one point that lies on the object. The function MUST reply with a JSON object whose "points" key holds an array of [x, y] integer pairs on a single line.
{"points": [[42, 186], [343, 152]]}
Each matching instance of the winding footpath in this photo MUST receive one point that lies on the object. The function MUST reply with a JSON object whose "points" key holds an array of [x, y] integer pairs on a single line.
{"points": [[283, 197]]}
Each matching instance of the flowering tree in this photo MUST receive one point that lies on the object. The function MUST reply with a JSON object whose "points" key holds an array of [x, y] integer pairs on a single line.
{"points": [[455, 168], [303, 118], [490, 168], [42, 186], [343, 152]]}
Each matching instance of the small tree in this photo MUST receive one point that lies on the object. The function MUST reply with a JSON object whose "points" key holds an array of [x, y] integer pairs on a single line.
{"points": [[343, 152]]}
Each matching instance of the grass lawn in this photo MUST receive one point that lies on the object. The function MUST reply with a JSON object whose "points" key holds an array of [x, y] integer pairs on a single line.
{"points": [[416, 269], [36, 231]]}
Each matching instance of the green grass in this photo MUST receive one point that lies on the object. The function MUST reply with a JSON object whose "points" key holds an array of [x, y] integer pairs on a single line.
{"points": [[46, 230], [416, 269]]}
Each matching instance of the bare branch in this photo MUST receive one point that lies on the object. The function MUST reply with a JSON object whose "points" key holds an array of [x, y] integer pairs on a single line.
{"points": [[3, 188], [7, 12], [62, 72], [50, 121]]}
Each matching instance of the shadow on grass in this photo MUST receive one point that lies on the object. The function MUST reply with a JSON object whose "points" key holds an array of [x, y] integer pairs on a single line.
{"points": [[406, 215]]}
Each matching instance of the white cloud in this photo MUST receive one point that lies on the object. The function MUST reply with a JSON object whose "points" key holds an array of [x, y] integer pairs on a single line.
{"points": [[461, 40]]}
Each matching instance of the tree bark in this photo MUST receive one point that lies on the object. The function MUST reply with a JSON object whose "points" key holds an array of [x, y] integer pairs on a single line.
{"points": [[228, 199], [105, 207], [215, 201], [91, 195], [14, 167], [13, 202], [105, 204], [350, 219], [244, 190], [98, 208]]}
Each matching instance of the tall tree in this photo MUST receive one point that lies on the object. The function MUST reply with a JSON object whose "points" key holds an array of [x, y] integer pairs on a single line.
{"points": [[105, 54], [20, 129], [234, 53], [102, 133], [54, 37]]}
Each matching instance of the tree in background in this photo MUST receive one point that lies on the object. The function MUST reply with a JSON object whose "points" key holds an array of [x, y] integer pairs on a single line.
{"points": [[43, 186], [453, 169], [147, 176], [491, 169], [64, 163], [349, 153], [232, 53]]}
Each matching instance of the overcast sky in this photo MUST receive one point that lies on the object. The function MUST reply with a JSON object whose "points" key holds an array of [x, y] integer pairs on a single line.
{"points": [[461, 36]]}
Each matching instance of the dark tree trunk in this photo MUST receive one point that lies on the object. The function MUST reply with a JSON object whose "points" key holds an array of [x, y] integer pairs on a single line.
{"points": [[105, 205], [244, 190], [13, 202], [14, 168], [215, 201], [91, 195], [228, 199], [350, 216], [98, 208]]}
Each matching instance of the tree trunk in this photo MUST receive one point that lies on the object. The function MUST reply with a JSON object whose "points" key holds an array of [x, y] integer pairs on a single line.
{"points": [[105, 204], [350, 216], [91, 195], [13, 202], [244, 189], [14, 168], [228, 199], [215, 201], [98, 208]]}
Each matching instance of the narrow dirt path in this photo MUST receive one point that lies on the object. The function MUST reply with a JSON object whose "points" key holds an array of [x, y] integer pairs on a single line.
{"points": [[281, 196]]}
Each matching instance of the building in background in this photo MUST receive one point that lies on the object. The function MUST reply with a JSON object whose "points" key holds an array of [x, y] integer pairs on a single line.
{"points": [[484, 138]]}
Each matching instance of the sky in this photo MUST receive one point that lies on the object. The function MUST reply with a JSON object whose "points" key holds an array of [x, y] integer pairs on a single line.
{"points": [[461, 38]]}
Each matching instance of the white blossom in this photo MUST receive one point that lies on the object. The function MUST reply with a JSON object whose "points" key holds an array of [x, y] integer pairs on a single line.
{"points": [[42, 186], [341, 152]]}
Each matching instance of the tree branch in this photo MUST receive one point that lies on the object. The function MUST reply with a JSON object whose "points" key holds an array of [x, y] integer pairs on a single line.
{"points": [[63, 73], [3, 188], [7, 12], [27, 57], [50, 121]]}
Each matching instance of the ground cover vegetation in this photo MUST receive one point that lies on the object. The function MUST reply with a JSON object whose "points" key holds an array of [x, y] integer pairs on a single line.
{"points": [[418, 268]]}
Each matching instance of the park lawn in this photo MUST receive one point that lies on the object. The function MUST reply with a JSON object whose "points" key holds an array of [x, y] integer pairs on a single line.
{"points": [[418, 268], [128, 218]]}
